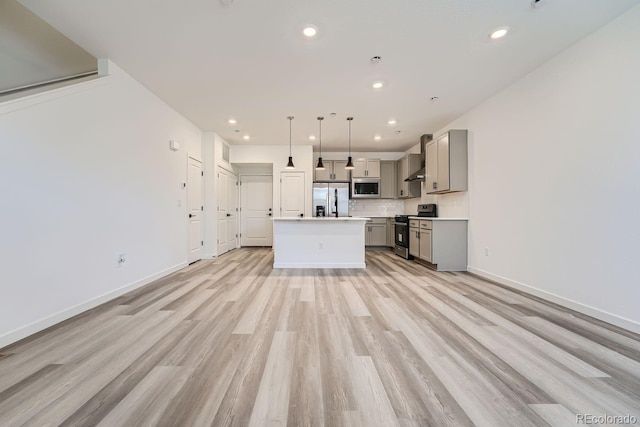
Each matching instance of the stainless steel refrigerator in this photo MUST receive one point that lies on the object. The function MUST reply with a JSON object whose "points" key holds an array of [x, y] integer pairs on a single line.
{"points": [[329, 197]]}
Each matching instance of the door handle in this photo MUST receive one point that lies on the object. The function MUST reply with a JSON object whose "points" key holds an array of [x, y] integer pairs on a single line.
{"points": [[269, 214], [228, 214], [301, 215], [191, 215]]}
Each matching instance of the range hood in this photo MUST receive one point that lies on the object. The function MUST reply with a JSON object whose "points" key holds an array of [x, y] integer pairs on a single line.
{"points": [[419, 175]]}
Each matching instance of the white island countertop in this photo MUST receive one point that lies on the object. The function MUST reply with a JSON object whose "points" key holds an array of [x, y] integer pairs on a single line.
{"points": [[324, 218], [326, 242]]}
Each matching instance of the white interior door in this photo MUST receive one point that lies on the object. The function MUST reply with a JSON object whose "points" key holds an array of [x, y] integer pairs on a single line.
{"points": [[194, 203], [227, 210], [292, 194], [256, 210]]}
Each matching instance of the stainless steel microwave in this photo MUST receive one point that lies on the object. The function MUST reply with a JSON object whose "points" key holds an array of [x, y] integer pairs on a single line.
{"points": [[365, 188]]}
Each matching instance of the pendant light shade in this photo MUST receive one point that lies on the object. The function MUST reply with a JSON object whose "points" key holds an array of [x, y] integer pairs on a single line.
{"points": [[349, 163], [290, 163], [320, 165], [349, 160]]}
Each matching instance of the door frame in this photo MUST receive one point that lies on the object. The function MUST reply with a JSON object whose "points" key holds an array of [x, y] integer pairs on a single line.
{"points": [[306, 196], [240, 216], [237, 203], [187, 201]]}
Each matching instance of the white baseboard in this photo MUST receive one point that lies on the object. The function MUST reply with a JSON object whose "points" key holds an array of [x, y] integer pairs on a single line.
{"points": [[39, 325], [317, 265], [614, 319]]}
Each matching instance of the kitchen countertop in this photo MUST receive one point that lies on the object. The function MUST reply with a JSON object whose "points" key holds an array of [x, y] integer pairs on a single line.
{"points": [[326, 218], [426, 218]]}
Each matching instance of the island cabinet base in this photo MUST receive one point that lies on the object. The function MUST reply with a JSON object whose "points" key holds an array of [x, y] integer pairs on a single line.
{"points": [[318, 243]]}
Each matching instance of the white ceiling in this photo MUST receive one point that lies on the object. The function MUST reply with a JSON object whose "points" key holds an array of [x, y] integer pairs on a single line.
{"points": [[248, 60]]}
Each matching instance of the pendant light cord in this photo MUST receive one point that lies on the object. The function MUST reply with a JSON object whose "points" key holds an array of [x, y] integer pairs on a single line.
{"points": [[349, 119], [290, 119], [320, 119]]}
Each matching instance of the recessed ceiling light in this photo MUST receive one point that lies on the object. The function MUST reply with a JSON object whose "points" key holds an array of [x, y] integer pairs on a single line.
{"points": [[398, 132], [499, 33], [237, 130], [377, 85], [537, 3], [391, 122], [232, 121], [434, 98], [377, 137], [376, 59], [312, 137], [310, 31], [332, 114], [246, 137]]}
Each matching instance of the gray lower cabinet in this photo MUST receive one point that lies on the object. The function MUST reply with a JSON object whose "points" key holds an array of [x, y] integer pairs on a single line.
{"points": [[425, 240], [391, 232], [414, 238], [375, 232], [441, 243]]}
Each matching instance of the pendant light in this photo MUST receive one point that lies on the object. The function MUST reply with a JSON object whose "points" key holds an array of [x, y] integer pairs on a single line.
{"points": [[290, 164], [320, 166], [349, 160]]}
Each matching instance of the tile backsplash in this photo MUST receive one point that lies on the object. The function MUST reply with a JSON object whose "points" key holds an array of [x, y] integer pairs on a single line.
{"points": [[376, 207]]}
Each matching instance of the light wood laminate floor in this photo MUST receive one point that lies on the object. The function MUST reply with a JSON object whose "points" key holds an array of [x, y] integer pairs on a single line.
{"points": [[231, 341]]}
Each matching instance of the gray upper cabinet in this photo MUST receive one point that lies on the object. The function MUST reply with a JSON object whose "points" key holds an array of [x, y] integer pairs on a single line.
{"points": [[339, 171], [388, 179], [405, 167], [333, 171], [366, 168], [446, 163]]}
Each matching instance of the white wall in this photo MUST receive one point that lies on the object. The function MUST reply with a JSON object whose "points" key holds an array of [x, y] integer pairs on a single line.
{"points": [[278, 155], [554, 177], [87, 174]]}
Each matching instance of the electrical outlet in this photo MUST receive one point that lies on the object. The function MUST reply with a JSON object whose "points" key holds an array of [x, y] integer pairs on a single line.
{"points": [[121, 259], [486, 251]]}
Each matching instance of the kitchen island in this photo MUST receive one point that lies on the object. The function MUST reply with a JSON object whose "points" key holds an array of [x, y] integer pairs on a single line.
{"points": [[326, 242]]}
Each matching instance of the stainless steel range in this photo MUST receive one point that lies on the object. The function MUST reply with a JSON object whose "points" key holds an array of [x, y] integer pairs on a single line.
{"points": [[402, 236]]}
